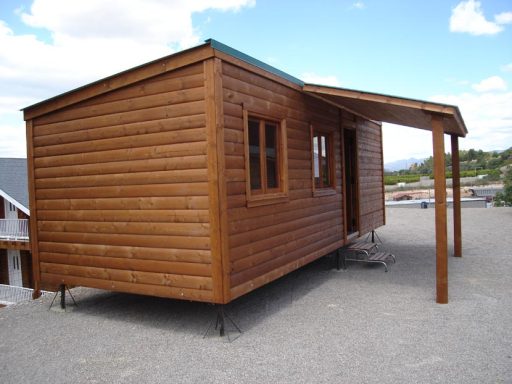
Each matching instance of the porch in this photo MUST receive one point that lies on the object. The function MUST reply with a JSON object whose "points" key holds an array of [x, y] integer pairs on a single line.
{"points": [[14, 229], [14, 234]]}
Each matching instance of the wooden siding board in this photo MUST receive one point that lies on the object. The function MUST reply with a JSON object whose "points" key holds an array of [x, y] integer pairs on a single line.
{"points": [[271, 237], [122, 184], [371, 179], [157, 253]]}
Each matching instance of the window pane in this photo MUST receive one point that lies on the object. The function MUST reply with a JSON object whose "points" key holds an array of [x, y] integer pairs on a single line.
{"points": [[254, 154], [316, 163], [271, 153], [325, 162]]}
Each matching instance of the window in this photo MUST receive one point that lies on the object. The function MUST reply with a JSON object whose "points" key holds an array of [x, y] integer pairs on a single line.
{"points": [[265, 160], [322, 162]]}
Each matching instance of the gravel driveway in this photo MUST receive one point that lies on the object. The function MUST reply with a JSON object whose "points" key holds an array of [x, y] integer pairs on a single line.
{"points": [[316, 325]]}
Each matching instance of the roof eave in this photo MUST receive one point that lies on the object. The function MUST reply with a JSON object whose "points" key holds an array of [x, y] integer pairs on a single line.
{"points": [[121, 79], [15, 202]]}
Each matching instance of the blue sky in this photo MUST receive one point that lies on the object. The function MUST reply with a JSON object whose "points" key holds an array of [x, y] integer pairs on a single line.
{"points": [[457, 52]]}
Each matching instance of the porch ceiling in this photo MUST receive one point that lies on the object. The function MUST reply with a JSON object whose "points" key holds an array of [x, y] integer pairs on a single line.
{"points": [[391, 109]]}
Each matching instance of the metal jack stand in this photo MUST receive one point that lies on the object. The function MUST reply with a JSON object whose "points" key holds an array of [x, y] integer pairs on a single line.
{"points": [[340, 260], [220, 323], [62, 290], [374, 235]]}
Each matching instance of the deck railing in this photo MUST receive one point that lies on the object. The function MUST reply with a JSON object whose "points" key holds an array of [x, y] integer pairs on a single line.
{"points": [[10, 294], [14, 229]]}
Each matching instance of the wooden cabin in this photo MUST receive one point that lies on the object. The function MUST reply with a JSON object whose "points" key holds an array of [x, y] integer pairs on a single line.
{"points": [[200, 176]]}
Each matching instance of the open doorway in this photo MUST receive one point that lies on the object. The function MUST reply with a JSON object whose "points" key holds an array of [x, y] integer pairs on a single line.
{"points": [[351, 182]]}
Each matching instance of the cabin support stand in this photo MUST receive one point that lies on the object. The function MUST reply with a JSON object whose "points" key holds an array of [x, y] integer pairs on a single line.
{"points": [[220, 322], [373, 234], [62, 289], [340, 260]]}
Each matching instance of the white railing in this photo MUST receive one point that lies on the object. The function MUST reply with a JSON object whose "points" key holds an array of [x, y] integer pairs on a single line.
{"points": [[10, 294], [14, 229]]}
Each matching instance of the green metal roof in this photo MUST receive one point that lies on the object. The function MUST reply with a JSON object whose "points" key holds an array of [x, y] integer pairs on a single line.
{"points": [[251, 60]]}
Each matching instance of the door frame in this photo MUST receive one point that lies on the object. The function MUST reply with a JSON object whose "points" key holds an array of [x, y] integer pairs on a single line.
{"points": [[14, 267], [355, 198]]}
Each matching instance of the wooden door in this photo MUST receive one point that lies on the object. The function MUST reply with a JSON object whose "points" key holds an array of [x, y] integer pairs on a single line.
{"points": [[14, 262], [351, 182], [10, 210]]}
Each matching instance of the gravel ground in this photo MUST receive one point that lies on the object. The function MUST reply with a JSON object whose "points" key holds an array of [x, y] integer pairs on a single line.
{"points": [[316, 325]]}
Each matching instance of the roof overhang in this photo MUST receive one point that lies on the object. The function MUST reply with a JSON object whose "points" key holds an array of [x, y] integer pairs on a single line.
{"points": [[391, 109], [14, 202]]}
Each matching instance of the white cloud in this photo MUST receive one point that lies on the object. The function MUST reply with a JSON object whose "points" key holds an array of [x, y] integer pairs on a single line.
{"points": [[401, 142], [13, 140], [488, 117], [89, 40], [359, 5], [468, 17], [503, 18], [493, 83], [310, 77], [507, 68]]}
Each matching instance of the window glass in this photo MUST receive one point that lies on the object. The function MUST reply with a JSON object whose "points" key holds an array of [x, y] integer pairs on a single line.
{"points": [[271, 155], [322, 160], [254, 154], [325, 162]]}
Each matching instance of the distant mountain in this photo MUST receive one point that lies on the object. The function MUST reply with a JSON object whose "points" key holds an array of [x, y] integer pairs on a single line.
{"points": [[401, 164]]}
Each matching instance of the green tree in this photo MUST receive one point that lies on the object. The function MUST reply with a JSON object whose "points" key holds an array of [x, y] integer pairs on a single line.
{"points": [[505, 198]]}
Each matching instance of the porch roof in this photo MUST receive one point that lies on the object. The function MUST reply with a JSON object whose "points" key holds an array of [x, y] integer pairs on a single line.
{"points": [[391, 109]]}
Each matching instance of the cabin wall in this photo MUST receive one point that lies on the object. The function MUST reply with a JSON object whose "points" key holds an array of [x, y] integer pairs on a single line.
{"points": [[121, 189], [266, 242], [371, 176]]}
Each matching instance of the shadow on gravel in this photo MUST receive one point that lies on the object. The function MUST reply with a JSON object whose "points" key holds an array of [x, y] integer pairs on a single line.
{"points": [[194, 317]]}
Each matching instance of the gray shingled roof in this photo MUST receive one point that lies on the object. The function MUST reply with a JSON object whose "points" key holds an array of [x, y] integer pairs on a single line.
{"points": [[14, 179]]}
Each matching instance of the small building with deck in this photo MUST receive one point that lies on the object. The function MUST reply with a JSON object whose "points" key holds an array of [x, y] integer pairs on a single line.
{"points": [[15, 255], [206, 174]]}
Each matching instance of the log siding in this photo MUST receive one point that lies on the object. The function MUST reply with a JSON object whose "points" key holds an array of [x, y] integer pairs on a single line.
{"points": [[266, 242], [121, 184], [139, 182], [371, 176]]}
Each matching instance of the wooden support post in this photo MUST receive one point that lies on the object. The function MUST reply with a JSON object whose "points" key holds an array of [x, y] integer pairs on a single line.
{"points": [[34, 244], [457, 222], [440, 210]]}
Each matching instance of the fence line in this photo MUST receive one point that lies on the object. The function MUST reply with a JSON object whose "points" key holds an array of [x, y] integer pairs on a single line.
{"points": [[10, 294]]}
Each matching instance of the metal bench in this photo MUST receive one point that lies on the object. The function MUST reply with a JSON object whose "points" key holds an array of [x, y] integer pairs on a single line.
{"points": [[367, 252]]}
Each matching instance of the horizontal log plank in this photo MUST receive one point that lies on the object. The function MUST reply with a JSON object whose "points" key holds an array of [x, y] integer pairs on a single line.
{"points": [[131, 129], [121, 286], [154, 113], [150, 190], [137, 277], [129, 215], [237, 291], [127, 203], [167, 229], [129, 252], [188, 77], [133, 178], [136, 141], [176, 150], [299, 245], [148, 241], [129, 166]]}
